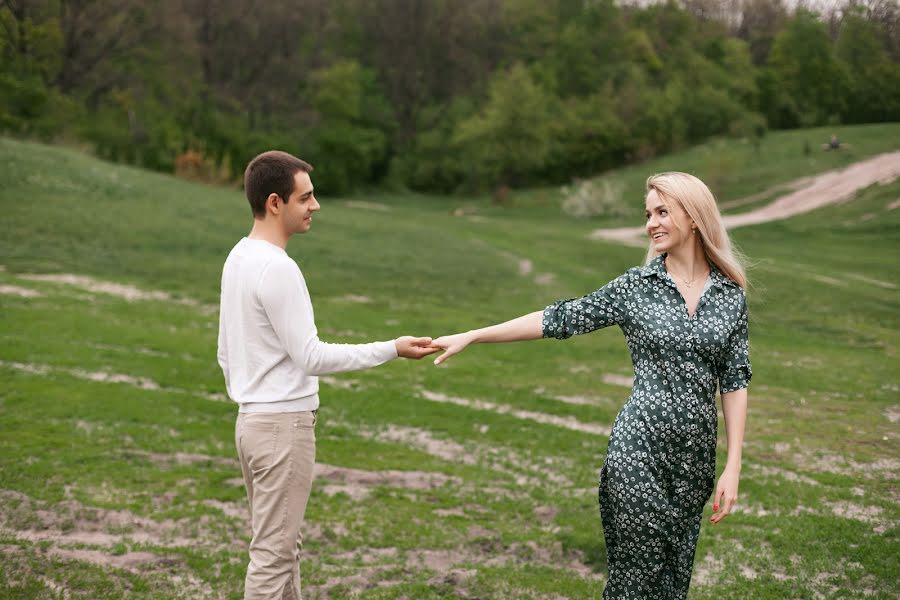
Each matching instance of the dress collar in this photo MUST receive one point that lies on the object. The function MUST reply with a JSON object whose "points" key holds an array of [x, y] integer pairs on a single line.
{"points": [[657, 268]]}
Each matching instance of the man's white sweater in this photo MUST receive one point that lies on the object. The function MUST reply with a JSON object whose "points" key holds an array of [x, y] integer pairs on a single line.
{"points": [[269, 348]]}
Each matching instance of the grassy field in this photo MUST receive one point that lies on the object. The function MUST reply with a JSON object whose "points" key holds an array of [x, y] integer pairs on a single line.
{"points": [[118, 475]]}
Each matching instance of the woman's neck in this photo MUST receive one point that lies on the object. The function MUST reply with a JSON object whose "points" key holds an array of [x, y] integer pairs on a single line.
{"points": [[688, 262]]}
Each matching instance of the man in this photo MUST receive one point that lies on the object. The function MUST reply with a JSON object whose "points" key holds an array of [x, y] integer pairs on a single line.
{"points": [[271, 356]]}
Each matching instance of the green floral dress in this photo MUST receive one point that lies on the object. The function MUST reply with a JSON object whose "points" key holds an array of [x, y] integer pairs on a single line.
{"points": [[661, 462]]}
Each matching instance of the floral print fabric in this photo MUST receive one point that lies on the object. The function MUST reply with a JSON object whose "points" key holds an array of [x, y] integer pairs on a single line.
{"points": [[661, 460]]}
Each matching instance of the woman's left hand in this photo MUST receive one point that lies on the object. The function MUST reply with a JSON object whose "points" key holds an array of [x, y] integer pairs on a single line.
{"points": [[726, 493]]}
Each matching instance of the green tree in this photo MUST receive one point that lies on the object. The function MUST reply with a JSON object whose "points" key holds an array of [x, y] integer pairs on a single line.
{"points": [[874, 77], [350, 142], [509, 140], [803, 66]]}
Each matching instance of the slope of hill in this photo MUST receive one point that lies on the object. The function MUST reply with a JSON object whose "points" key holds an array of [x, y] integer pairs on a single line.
{"points": [[117, 470]]}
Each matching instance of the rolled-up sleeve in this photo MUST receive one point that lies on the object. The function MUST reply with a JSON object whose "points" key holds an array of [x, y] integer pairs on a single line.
{"points": [[734, 370], [577, 316]]}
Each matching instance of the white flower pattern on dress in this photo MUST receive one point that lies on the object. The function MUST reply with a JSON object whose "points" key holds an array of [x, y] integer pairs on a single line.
{"points": [[661, 461]]}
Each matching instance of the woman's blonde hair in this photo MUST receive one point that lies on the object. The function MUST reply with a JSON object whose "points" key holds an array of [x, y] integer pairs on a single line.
{"points": [[697, 201]]}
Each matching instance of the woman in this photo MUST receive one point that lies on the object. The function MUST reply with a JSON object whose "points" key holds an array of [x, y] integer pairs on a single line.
{"points": [[684, 315]]}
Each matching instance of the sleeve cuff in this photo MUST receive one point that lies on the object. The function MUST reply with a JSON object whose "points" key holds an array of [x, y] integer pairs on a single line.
{"points": [[388, 350]]}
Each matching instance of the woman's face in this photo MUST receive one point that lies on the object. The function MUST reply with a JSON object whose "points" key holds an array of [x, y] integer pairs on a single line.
{"points": [[668, 226]]}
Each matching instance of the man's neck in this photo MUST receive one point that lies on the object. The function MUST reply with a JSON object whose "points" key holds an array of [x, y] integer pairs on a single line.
{"points": [[268, 232]]}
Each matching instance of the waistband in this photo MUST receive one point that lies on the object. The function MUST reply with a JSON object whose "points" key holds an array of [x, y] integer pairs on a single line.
{"points": [[307, 403]]}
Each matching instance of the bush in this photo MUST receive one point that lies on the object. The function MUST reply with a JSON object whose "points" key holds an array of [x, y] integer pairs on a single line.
{"points": [[593, 198]]}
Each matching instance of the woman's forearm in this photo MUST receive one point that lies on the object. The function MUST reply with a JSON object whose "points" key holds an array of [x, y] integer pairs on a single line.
{"points": [[526, 327], [734, 408]]}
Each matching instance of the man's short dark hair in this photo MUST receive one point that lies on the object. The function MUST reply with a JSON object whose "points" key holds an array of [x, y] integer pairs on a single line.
{"points": [[271, 172]]}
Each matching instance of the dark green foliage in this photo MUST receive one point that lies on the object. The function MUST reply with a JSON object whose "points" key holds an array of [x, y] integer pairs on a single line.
{"points": [[435, 96]]}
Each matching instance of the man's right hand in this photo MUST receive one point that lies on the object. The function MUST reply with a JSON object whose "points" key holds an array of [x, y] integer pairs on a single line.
{"points": [[414, 347]]}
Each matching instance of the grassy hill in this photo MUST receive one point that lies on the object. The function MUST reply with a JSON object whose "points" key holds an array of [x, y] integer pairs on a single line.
{"points": [[118, 475]]}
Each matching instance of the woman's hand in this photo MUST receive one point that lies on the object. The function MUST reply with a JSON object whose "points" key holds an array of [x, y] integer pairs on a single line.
{"points": [[726, 493], [451, 344]]}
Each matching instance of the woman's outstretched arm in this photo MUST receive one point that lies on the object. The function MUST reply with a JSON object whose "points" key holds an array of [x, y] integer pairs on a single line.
{"points": [[526, 327]]}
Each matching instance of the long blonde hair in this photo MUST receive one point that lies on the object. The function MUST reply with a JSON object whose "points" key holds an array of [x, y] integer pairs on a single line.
{"points": [[697, 201]]}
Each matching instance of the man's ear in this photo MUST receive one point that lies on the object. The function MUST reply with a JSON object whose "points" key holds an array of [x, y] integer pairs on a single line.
{"points": [[272, 203]]}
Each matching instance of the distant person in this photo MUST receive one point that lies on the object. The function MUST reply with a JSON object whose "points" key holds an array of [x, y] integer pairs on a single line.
{"points": [[834, 143], [684, 315], [271, 355]]}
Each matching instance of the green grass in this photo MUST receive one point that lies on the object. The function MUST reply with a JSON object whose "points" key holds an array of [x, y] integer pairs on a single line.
{"points": [[92, 469]]}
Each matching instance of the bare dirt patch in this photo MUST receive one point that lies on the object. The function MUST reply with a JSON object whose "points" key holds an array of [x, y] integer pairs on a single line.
{"points": [[184, 458], [352, 299], [142, 383], [14, 290], [545, 279], [128, 292], [767, 471], [621, 380], [708, 571], [810, 193], [858, 512], [132, 561], [504, 409], [70, 522], [884, 468], [424, 440], [342, 383], [358, 483], [525, 471], [365, 205]]}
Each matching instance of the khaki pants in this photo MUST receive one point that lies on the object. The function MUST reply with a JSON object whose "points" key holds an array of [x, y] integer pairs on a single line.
{"points": [[277, 452]]}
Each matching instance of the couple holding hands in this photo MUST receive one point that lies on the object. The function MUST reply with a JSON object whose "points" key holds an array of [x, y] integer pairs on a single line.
{"points": [[684, 316]]}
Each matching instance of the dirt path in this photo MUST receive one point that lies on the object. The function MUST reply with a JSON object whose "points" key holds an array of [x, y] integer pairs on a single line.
{"points": [[809, 193]]}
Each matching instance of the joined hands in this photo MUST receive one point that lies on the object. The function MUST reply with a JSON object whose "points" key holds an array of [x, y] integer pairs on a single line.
{"points": [[414, 347]]}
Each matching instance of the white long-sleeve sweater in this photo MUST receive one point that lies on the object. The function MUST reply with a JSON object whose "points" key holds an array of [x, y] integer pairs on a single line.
{"points": [[269, 348]]}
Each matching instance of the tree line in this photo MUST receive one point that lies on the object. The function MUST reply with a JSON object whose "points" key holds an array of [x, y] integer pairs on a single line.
{"points": [[435, 95]]}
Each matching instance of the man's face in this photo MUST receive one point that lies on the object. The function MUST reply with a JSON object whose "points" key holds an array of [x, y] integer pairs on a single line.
{"points": [[301, 205]]}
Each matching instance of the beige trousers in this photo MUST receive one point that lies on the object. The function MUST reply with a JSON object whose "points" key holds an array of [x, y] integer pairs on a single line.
{"points": [[277, 452]]}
